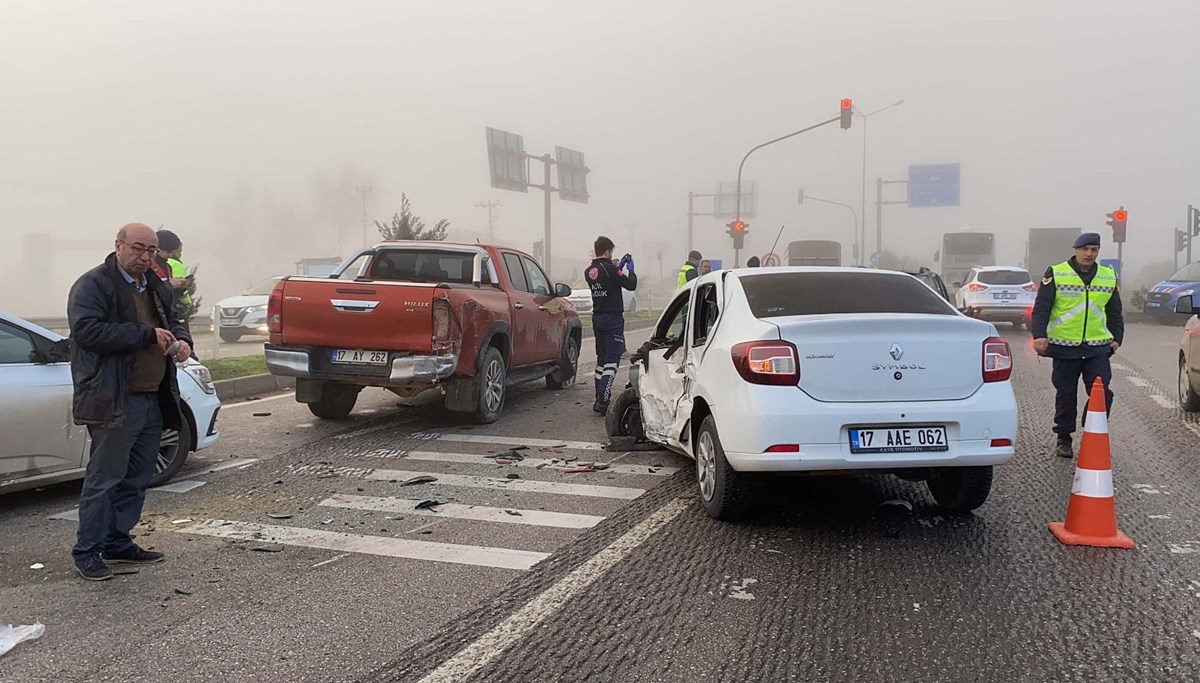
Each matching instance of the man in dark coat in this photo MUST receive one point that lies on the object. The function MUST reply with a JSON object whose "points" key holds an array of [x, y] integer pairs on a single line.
{"points": [[124, 340]]}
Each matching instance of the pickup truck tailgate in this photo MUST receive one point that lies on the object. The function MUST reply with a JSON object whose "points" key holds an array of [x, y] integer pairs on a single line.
{"points": [[350, 315]]}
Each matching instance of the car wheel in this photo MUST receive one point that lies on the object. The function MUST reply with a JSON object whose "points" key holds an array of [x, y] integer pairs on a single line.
{"points": [[1189, 400], [492, 390], [230, 336], [960, 489], [719, 484], [337, 400], [624, 417], [564, 377], [173, 450]]}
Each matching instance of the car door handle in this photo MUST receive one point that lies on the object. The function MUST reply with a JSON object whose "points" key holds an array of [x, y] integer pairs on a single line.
{"points": [[518, 305], [541, 308]]}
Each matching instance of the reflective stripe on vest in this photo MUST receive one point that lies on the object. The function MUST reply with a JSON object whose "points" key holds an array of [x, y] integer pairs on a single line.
{"points": [[1078, 316]]}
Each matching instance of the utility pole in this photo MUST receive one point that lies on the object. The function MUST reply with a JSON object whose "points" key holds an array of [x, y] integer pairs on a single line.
{"points": [[692, 196], [879, 204], [548, 161], [363, 190], [489, 205], [863, 207], [1189, 228], [801, 196]]}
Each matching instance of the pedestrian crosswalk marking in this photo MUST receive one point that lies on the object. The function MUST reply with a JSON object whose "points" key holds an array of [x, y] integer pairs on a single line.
{"points": [[512, 441], [501, 558], [481, 513], [536, 463], [520, 485]]}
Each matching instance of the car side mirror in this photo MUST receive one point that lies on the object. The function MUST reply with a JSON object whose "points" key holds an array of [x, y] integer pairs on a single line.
{"points": [[562, 291], [1184, 305]]}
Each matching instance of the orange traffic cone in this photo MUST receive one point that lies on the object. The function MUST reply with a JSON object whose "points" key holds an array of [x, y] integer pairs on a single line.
{"points": [[1092, 512]]}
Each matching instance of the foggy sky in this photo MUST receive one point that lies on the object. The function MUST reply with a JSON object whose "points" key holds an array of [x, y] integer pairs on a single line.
{"points": [[245, 126]]}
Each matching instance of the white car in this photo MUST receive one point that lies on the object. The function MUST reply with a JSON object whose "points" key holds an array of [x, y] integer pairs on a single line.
{"points": [[245, 314], [581, 300], [820, 370], [998, 293], [42, 444]]}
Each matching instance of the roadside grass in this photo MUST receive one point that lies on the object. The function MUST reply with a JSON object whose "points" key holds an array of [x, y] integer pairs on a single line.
{"points": [[239, 366]]}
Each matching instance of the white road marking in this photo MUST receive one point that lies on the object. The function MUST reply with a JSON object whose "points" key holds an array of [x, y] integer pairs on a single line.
{"points": [[492, 644], [71, 515], [181, 486], [331, 560], [480, 513], [482, 556], [513, 441], [230, 465], [1137, 381], [1119, 366], [543, 463], [523, 485], [232, 406], [1185, 548], [1163, 401], [1160, 516]]}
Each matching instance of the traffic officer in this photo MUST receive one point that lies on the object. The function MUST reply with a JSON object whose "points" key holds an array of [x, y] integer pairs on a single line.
{"points": [[171, 249], [1077, 322], [689, 270], [606, 281]]}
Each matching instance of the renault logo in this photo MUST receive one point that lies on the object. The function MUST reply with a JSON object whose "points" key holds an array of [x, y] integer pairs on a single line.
{"points": [[897, 352]]}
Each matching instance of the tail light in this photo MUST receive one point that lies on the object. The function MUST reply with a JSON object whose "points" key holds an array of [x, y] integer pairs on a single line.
{"points": [[1031, 287], [275, 310], [767, 362], [976, 287], [997, 360], [444, 327]]}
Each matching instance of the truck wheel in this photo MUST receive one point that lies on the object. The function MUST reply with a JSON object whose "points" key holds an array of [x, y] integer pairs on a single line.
{"points": [[960, 489], [1189, 400], [624, 417], [230, 336], [564, 377], [173, 450], [720, 485], [492, 390], [337, 400]]}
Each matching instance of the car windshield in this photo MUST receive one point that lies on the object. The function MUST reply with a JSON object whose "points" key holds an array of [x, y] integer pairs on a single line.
{"points": [[422, 265], [1190, 273], [1004, 277], [261, 289], [782, 294]]}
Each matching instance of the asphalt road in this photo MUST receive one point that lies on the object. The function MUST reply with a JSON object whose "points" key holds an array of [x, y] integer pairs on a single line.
{"points": [[302, 558]]}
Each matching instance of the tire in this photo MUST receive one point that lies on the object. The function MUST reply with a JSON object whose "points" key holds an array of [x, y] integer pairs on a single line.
{"points": [[337, 400], [230, 336], [961, 489], [564, 377], [624, 417], [1189, 400], [719, 485], [173, 450], [491, 384]]}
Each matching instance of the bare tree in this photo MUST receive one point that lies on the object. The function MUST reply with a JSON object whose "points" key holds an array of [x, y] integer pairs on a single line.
{"points": [[408, 226]]}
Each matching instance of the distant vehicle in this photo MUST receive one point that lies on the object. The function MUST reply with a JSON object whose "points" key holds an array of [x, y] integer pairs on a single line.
{"points": [[962, 251], [41, 443], [318, 267], [1189, 353], [932, 280], [581, 300], [1160, 301], [788, 370], [814, 253], [998, 293], [246, 313], [1046, 247], [467, 320]]}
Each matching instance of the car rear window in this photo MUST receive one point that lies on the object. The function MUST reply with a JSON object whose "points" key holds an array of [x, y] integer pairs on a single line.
{"points": [[783, 294], [1004, 277], [422, 265]]}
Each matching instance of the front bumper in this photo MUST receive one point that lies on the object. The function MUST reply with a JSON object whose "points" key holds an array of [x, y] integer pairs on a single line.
{"points": [[205, 413], [314, 363]]}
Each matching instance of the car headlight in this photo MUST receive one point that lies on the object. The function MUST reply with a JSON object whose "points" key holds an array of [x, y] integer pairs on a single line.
{"points": [[256, 309], [202, 376]]}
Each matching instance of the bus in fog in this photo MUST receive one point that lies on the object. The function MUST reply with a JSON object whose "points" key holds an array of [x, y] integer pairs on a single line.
{"points": [[814, 253], [962, 251]]}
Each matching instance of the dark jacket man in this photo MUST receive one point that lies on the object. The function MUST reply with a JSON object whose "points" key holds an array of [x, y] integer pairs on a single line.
{"points": [[606, 280]]}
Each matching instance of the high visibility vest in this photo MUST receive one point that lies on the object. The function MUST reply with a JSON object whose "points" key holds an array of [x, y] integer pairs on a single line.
{"points": [[179, 270], [683, 272], [1078, 317]]}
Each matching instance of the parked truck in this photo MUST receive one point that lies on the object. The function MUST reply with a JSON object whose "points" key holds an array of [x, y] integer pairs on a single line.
{"points": [[464, 320], [1047, 246]]}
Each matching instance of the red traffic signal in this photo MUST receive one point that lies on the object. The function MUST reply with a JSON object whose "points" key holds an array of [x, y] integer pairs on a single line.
{"points": [[1120, 215], [1116, 221], [847, 113], [738, 226]]}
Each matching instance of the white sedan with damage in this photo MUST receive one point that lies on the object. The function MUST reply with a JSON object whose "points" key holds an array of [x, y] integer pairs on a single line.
{"points": [[823, 370]]}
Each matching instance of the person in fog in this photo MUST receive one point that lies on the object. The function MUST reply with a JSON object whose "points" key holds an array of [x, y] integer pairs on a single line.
{"points": [[705, 267], [753, 262], [689, 270], [606, 280]]}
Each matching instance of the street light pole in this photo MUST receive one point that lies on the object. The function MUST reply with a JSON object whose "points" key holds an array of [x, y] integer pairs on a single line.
{"points": [[857, 245], [863, 205]]}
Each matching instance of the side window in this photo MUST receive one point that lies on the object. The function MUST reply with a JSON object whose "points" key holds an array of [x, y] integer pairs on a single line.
{"points": [[673, 323], [538, 284], [707, 312], [16, 346], [516, 273]]}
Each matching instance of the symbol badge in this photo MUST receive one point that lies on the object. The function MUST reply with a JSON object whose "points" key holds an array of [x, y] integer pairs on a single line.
{"points": [[897, 352]]}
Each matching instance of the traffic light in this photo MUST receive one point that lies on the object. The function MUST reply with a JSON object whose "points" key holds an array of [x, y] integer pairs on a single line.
{"points": [[1194, 218], [1181, 238], [800, 196], [1116, 221], [847, 113], [737, 230]]}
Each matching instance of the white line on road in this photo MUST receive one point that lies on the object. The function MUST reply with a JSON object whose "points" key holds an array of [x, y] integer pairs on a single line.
{"points": [[1163, 401], [243, 404], [335, 558], [536, 463], [522, 485], [493, 643], [480, 513], [482, 556], [1137, 381], [230, 465], [181, 486], [71, 515], [514, 441]]}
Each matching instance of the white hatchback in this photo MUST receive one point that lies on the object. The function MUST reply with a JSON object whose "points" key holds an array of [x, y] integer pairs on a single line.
{"points": [[819, 370], [998, 293], [581, 300]]}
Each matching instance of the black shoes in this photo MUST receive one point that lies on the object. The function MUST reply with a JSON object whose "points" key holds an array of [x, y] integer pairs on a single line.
{"points": [[134, 555], [93, 569], [1063, 449]]}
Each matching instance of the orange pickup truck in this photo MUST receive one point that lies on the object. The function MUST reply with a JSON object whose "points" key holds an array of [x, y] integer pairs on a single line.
{"points": [[466, 320]]}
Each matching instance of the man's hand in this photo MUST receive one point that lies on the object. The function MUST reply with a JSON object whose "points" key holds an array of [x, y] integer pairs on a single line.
{"points": [[1115, 346], [164, 338], [1041, 346], [185, 352], [179, 283]]}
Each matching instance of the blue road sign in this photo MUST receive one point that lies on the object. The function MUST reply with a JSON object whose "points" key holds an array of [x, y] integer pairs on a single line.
{"points": [[1113, 263], [934, 185], [876, 258]]}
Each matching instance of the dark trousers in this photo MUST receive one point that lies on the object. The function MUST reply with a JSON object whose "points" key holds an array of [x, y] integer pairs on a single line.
{"points": [[120, 468], [1065, 376], [609, 330]]}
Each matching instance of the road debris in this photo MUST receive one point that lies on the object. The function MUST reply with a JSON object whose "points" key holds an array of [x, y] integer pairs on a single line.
{"points": [[896, 502], [267, 548], [262, 415], [279, 515], [514, 513], [580, 470], [11, 635], [513, 475], [180, 591], [37, 565], [428, 504], [181, 521], [423, 479]]}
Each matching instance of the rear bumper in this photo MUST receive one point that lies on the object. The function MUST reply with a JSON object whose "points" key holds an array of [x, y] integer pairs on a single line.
{"points": [[402, 369], [994, 312]]}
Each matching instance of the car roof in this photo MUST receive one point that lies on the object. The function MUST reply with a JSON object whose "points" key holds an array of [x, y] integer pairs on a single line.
{"points": [[995, 268], [25, 324]]}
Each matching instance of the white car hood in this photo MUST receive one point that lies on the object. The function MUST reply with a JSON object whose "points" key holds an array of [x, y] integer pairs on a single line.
{"points": [[244, 301]]}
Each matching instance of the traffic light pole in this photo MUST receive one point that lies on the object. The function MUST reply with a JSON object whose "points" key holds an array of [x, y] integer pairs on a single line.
{"points": [[1190, 236], [737, 213], [692, 214], [857, 246], [879, 204]]}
